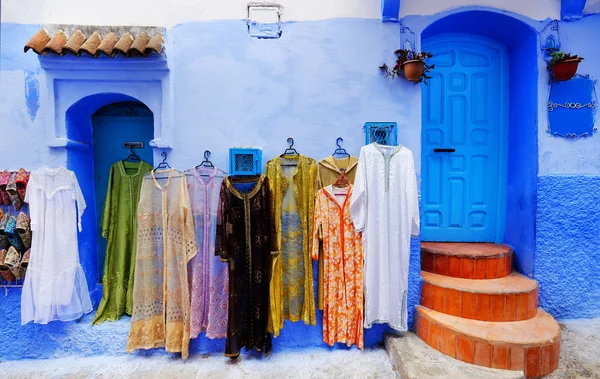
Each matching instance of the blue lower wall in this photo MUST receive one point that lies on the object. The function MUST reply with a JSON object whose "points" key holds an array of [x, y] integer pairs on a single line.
{"points": [[567, 259], [80, 338]]}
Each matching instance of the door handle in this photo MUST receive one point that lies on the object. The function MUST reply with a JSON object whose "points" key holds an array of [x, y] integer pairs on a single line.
{"points": [[444, 150]]}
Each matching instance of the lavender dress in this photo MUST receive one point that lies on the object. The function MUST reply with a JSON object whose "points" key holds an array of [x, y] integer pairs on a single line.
{"points": [[208, 276]]}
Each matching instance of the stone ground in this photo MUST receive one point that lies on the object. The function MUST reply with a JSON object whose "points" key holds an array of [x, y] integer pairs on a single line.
{"points": [[580, 358]]}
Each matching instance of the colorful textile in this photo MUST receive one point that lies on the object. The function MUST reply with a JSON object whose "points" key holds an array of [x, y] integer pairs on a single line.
{"points": [[292, 200], [165, 244], [208, 275], [119, 227], [244, 242], [343, 267]]}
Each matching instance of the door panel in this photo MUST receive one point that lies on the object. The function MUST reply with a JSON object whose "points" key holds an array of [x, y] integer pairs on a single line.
{"points": [[462, 116], [110, 131]]}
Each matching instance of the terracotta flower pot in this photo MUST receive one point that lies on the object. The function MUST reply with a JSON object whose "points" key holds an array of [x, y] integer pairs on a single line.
{"points": [[565, 70], [413, 70]]}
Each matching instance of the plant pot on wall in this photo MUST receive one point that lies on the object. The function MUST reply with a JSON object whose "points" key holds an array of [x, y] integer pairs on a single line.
{"points": [[413, 70], [565, 70]]}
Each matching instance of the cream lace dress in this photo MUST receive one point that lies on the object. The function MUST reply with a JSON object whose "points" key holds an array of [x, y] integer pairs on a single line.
{"points": [[55, 286]]}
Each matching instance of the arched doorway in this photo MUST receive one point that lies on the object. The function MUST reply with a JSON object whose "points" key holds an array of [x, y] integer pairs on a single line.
{"points": [[113, 125], [481, 111], [97, 126]]}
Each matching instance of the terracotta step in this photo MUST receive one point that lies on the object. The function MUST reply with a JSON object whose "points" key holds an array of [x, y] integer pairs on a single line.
{"points": [[532, 346], [466, 260], [511, 298]]}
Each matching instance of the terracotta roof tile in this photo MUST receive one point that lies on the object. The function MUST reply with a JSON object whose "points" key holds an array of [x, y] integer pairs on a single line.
{"points": [[141, 45]]}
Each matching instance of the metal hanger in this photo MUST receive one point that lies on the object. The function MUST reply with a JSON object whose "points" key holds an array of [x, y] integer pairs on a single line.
{"points": [[162, 165], [290, 151], [207, 163], [340, 150], [133, 157]]}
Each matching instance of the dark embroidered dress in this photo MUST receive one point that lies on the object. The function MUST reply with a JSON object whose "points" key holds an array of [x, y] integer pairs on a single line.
{"points": [[243, 240]]}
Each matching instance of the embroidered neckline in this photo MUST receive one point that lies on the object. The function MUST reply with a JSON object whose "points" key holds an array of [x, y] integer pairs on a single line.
{"points": [[250, 179], [124, 168], [170, 170]]}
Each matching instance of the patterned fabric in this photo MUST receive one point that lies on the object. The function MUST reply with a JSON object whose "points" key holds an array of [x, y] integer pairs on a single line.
{"points": [[22, 178], [343, 264], [10, 230], [165, 244], [208, 275], [55, 287], [4, 270], [328, 171], [385, 208], [11, 189], [4, 179], [24, 229], [292, 200], [13, 261], [4, 243], [244, 241], [119, 227]]}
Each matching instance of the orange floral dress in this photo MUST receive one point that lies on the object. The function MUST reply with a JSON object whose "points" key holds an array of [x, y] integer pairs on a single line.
{"points": [[343, 267]]}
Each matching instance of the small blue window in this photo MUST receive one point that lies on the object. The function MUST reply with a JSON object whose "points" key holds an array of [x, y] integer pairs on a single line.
{"points": [[245, 161], [385, 133]]}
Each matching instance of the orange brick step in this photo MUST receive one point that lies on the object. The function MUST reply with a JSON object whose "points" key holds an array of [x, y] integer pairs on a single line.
{"points": [[467, 260], [531, 346], [511, 298]]}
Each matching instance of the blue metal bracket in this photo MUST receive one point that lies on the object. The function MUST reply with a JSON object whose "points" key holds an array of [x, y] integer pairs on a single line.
{"points": [[572, 106], [407, 38], [550, 39], [390, 10]]}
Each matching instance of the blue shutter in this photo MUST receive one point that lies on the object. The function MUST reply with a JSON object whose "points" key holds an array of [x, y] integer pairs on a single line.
{"points": [[385, 133], [245, 161]]}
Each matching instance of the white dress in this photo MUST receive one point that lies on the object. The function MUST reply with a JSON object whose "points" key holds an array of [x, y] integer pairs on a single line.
{"points": [[385, 207], [54, 286]]}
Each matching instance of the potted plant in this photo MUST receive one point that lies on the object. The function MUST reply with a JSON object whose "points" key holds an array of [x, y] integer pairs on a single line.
{"points": [[564, 65], [411, 64]]}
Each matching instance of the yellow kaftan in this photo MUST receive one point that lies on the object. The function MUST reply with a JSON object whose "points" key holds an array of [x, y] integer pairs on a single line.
{"points": [[292, 200]]}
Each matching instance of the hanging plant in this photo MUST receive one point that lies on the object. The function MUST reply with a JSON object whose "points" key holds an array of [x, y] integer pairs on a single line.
{"points": [[564, 65], [411, 64]]}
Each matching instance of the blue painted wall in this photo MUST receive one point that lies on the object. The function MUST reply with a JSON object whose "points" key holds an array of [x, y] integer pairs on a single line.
{"points": [[317, 82]]}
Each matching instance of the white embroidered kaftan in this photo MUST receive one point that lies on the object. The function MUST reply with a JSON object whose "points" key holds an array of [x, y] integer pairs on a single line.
{"points": [[165, 244], [208, 275], [385, 207], [54, 286]]}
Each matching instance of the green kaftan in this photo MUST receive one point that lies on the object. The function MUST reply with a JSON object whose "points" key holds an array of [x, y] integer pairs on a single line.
{"points": [[119, 227]]}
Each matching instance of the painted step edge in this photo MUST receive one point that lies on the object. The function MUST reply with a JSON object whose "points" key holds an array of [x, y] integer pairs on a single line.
{"points": [[515, 299], [466, 267], [414, 359], [533, 346], [467, 249]]}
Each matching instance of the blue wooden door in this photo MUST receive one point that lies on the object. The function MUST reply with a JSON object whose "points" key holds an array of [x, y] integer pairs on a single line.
{"points": [[463, 139], [113, 125]]}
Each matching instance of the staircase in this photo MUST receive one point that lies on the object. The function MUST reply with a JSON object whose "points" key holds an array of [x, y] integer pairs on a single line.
{"points": [[474, 308]]}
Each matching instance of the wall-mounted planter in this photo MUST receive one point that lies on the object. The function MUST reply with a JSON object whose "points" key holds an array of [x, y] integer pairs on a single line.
{"points": [[565, 70], [413, 70]]}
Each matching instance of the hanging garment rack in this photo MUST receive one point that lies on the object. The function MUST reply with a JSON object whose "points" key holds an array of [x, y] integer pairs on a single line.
{"points": [[340, 150], [290, 151]]}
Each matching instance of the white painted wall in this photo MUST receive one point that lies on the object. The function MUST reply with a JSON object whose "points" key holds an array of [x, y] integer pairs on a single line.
{"points": [[169, 13], [535, 9]]}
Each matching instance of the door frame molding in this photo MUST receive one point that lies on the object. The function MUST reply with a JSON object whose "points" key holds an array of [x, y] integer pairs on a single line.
{"points": [[503, 114]]}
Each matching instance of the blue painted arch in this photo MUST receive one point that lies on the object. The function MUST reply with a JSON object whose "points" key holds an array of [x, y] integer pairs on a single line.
{"points": [[521, 42]]}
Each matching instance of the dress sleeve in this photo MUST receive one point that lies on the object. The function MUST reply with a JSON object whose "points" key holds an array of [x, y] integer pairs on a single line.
{"points": [[189, 233], [312, 177], [317, 227], [78, 197], [221, 240], [358, 200], [272, 201], [31, 185], [107, 211], [413, 198]]}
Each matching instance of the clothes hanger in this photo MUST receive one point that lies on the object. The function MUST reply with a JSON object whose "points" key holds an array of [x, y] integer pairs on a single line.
{"points": [[341, 181], [290, 151], [340, 150], [207, 163], [133, 157], [162, 165]]}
